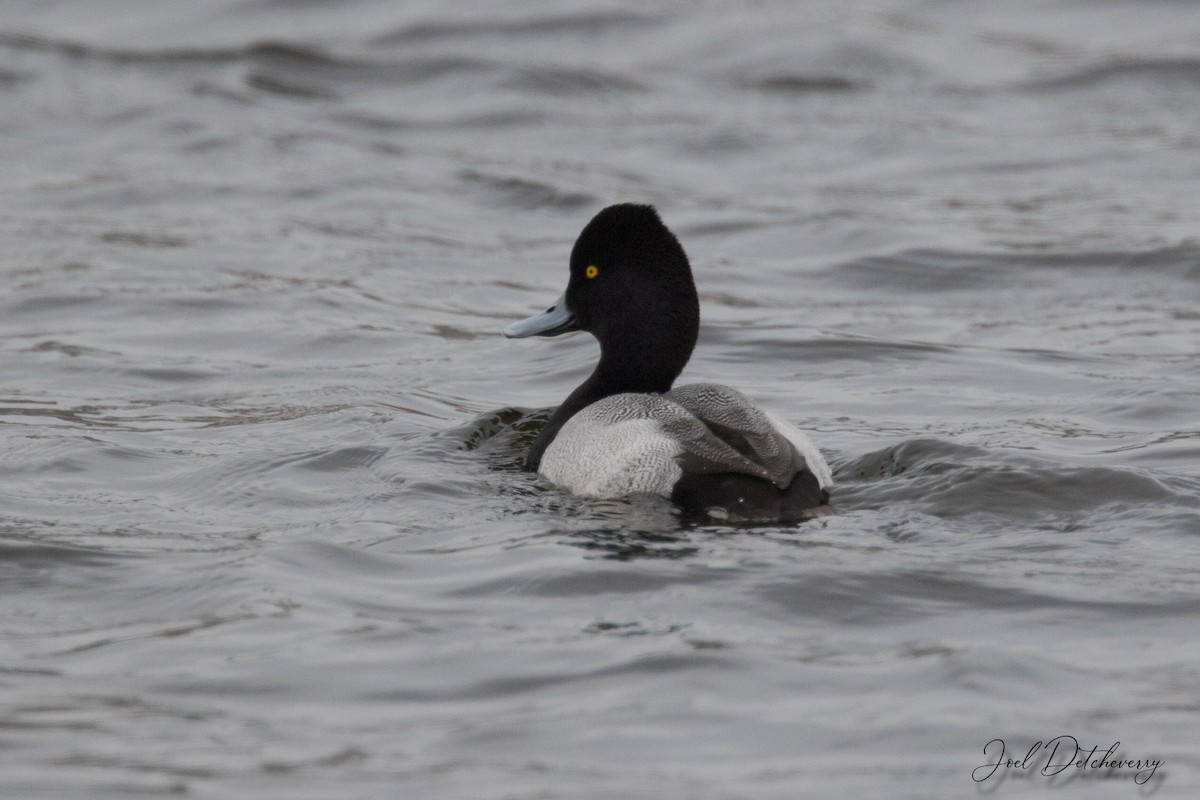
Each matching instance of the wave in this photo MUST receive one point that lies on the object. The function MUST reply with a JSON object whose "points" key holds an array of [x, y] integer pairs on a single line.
{"points": [[795, 83], [512, 191], [255, 50], [586, 24], [1173, 71], [267, 54], [951, 480], [927, 270]]}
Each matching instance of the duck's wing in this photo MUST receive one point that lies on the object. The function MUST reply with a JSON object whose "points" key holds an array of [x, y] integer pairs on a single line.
{"points": [[776, 449]]}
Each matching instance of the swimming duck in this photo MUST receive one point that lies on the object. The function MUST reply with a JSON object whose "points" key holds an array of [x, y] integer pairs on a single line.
{"points": [[625, 430]]}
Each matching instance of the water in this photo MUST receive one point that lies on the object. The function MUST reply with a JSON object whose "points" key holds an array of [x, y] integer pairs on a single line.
{"points": [[261, 532]]}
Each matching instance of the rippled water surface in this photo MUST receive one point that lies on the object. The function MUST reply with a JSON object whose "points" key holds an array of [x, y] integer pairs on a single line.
{"points": [[262, 534]]}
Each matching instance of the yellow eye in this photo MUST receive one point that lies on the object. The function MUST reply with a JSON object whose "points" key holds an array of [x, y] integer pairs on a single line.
{"points": [[591, 271]]}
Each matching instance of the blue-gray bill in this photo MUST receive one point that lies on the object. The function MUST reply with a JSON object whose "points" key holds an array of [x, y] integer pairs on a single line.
{"points": [[554, 320]]}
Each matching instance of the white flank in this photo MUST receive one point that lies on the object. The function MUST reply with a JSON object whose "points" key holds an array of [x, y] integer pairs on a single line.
{"points": [[596, 457]]}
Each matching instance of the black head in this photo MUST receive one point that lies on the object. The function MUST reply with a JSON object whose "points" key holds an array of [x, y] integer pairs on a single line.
{"points": [[629, 275], [631, 287]]}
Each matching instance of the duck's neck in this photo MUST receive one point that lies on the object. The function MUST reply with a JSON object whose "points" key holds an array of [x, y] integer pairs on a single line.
{"points": [[618, 372]]}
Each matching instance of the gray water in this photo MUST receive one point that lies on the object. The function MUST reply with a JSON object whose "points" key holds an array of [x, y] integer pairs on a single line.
{"points": [[262, 534]]}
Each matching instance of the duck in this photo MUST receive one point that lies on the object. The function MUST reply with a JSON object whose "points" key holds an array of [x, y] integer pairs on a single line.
{"points": [[627, 429]]}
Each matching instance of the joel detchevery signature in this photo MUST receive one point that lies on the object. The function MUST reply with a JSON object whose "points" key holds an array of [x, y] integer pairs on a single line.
{"points": [[1055, 756]]}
